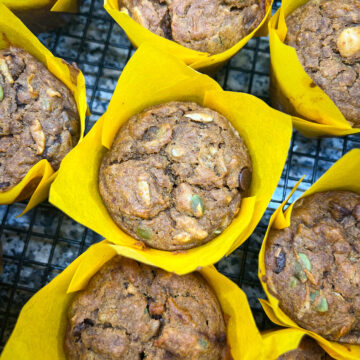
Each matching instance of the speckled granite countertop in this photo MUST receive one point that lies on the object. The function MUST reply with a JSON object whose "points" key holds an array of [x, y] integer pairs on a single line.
{"points": [[40, 244]]}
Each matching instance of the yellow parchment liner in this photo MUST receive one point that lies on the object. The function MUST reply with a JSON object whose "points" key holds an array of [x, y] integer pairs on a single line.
{"points": [[153, 77], [314, 113], [205, 62], [343, 175], [14, 32], [40, 329], [55, 5]]}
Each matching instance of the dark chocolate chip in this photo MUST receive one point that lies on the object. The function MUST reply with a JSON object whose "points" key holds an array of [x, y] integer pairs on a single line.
{"points": [[245, 179], [356, 212], [280, 262], [338, 212]]}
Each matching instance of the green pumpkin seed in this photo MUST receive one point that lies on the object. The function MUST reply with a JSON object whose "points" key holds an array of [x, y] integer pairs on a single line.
{"points": [[1, 93], [217, 232], [144, 233], [313, 296], [197, 205], [305, 261], [146, 311], [299, 272], [203, 343], [323, 306], [293, 282]]}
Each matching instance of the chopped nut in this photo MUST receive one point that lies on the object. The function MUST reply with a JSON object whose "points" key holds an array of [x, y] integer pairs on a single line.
{"points": [[144, 233], [162, 137], [53, 93], [1, 93], [33, 94], [348, 42], [197, 205], [125, 10], [200, 117], [182, 237], [38, 136], [144, 191], [212, 150], [5, 71], [191, 226]]}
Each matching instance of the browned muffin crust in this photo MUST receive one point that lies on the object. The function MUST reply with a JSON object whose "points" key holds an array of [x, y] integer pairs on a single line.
{"points": [[308, 349], [174, 175], [210, 26], [133, 311], [38, 117], [313, 266], [326, 36]]}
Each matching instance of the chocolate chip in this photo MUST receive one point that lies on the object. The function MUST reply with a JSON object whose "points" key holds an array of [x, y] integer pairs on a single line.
{"points": [[280, 262], [356, 212], [338, 212], [245, 179]]}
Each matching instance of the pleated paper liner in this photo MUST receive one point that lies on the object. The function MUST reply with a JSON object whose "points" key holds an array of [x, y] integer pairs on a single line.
{"points": [[40, 330], [201, 61], [154, 77], [292, 89], [35, 185], [343, 175]]}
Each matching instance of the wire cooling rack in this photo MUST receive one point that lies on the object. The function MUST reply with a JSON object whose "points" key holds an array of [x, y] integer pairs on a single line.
{"points": [[39, 245]]}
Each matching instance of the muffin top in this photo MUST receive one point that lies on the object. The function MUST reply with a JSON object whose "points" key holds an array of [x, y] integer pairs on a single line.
{"points": [[210, 26], [134, 311], [308, 349], [38, 116], [313, 266], [326, 36], [175, 175]]}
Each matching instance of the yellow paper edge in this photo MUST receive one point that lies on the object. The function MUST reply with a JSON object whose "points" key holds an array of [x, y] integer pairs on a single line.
{"points": [[316, 114], [40, 328], [137, 35], [57, 5], [164, 78], [343, 175], [18, 34]]}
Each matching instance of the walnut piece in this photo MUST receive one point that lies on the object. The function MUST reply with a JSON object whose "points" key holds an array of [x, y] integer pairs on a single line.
{"points": [[38, 136], [200, 117], [348, 42]]}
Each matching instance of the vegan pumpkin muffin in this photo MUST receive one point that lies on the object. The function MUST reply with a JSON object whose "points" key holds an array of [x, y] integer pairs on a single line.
{"points": [[133, 311], [326, 37], [175, 175], [308, 349], [313, 266], [211, 26], [38, 117]]}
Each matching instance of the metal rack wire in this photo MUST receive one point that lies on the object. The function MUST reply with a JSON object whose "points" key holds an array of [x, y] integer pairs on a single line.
{"points": [[42, 243]]}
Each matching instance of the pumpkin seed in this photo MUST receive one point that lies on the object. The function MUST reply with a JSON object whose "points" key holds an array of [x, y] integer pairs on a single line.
{"points": [[299, 272], [144, 233], [305, 261], [197, 205], [293, 282], [203, 343], [323, 306], [313, 296]]}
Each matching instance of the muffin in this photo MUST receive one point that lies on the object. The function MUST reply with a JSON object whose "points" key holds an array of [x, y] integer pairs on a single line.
{"points": [[307, 350], [313, 266], [211, 26], [38, 117], [175, 175], [133, 311], [326, 37]]}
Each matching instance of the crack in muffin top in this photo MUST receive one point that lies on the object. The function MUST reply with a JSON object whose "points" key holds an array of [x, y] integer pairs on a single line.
{"points": [[134, 311], [175, 175], [326, 36], [313, 266], [210, 26], [38, 116]]}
